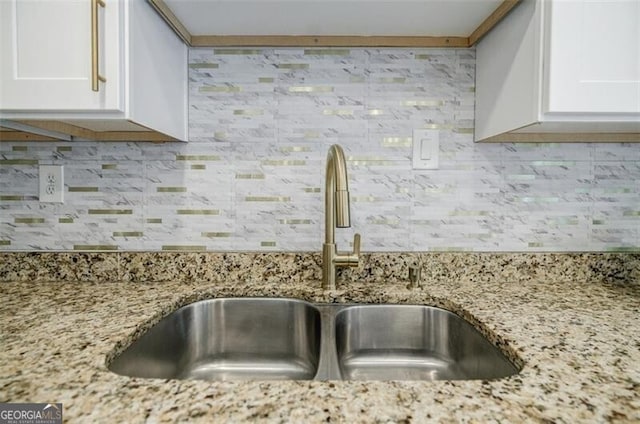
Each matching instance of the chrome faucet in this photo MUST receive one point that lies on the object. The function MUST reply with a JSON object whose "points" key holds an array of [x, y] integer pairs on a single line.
{"points": [[336, 214]]}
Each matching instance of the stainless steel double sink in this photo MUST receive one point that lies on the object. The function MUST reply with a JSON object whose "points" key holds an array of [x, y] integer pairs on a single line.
{"points": [[276, 339]]}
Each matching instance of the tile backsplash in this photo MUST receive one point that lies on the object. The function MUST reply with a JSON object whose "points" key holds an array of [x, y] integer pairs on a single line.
{"points": [[251, 178]]}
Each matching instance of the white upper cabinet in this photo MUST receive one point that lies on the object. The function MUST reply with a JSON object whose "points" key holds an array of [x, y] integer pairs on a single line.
{"points": [[47, 51], [593, 56], [554, 70], [124, 71]]}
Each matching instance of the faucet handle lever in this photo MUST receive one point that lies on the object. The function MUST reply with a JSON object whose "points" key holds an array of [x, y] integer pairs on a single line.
{"points": [[356, 245], [349, 259]]}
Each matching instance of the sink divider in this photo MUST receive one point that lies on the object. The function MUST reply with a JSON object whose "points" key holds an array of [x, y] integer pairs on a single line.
{"points": [[328, 368]]}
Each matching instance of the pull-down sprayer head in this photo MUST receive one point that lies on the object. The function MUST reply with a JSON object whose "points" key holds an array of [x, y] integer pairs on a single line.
{"points": [[337, 186]]}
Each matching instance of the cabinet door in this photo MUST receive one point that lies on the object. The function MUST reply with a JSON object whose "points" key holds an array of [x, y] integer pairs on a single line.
{"points": [[593, 57], [46, 60]]}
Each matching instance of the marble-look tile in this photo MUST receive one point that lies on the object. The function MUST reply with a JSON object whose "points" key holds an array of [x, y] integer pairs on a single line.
{"points": [[261, 121]]}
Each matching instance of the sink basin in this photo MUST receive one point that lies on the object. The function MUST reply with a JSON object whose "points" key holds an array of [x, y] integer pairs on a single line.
{"points": [[274, 339], [406, 342], [229, 339]]}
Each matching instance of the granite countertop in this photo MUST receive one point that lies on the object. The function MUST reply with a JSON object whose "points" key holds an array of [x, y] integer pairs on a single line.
{"points": [[579, 344]]}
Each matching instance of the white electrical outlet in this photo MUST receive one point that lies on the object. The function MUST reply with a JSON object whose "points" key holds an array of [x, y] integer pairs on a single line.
{"points": [[52, 183]]}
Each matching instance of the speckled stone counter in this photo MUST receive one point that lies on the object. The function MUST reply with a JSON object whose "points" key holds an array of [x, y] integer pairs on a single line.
{"points": [[577, 337]]}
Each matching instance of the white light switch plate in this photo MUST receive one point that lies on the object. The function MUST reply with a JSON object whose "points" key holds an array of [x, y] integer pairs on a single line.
{"points": [[51, 183], [426, 149]]}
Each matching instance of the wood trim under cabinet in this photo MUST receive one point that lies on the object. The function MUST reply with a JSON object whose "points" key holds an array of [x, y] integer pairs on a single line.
{"points": [[84, 133], [324, 41], [330, 40], [491, 21], [563, 138], [172, 20], [23, 136]]}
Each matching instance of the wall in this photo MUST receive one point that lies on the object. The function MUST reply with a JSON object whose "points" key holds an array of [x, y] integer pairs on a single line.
{"points": [[251, 179]]}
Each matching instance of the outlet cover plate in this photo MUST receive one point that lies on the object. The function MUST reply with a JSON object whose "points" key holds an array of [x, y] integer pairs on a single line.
{"points": [[426, 149], [51, 183]]}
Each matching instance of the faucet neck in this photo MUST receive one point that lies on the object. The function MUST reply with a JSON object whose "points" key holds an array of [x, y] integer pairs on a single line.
{"points": [[336, 204], [336, 193]]}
